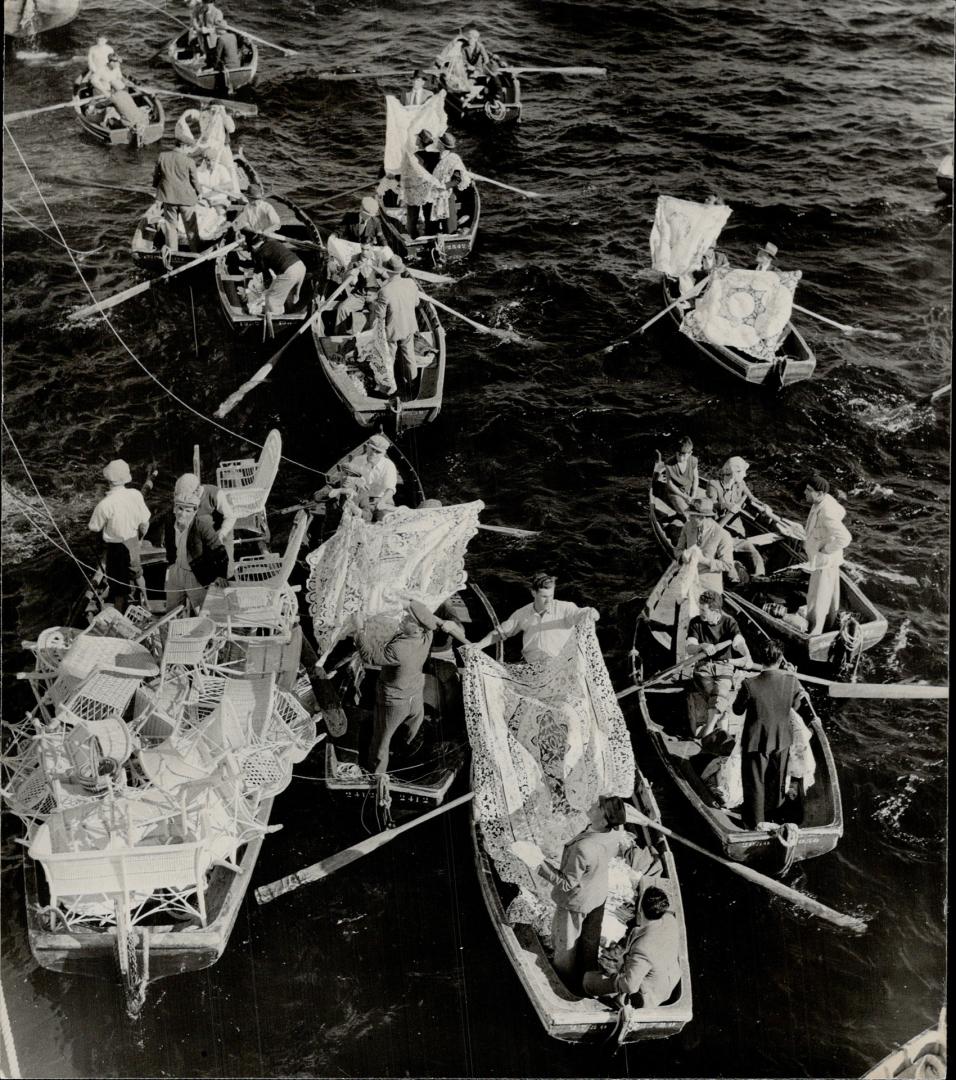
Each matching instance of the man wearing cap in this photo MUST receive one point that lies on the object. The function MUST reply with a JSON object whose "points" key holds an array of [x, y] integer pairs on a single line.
{"points": [[650, 970], [766, 256], [397, 303], [260, 216], [373, 478], [195, 554], [702, 536], [364, 226], [451, 173], [399, 699], [177, 189], [545, 624], [581, 885], [716, 638], [272, 258], [122, 517], [826, 537]]}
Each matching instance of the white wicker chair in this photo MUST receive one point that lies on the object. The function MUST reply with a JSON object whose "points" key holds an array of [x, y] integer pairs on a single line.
{"points": [[247, 483]]}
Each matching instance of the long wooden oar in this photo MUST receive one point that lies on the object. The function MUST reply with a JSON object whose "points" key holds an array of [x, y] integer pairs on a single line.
{"points": [[128, 188], [557, 70], [261, 41], [507, 187], [240, 108], [882, 335], [10, 117], [507, 530], [263, 373], [798, 899], [887, 691], [342, 75], [135, 290], [663, 676], [311, 245], [660, 315], [502, 335], [328, 866]]}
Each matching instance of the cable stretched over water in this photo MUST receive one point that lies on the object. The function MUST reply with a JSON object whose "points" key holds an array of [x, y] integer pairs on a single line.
{"points": [[119, 338], [10, 208]]}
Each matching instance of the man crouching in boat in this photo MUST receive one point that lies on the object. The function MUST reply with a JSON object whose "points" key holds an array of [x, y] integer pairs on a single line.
{"points": [[715, 677], [650, 970], [545, 624], [399, 700]]}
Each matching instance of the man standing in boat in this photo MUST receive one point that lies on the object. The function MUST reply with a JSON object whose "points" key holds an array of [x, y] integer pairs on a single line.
{"points": [[545, 624], [122, 517], [397, 304], [826, 537], [399, 700], [178, 191]]}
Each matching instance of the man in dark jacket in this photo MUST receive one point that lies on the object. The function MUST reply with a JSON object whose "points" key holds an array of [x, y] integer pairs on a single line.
{"points": [[767, 735], [364, 226], [399, 700], [177, 189], [195, 554], [277, 262]]}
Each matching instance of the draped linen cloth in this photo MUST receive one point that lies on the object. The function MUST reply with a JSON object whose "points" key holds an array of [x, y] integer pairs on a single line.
{"points": [[547, 739], [450, 63], [747, 310], [373, 568], [404, 122], [682, 232]]}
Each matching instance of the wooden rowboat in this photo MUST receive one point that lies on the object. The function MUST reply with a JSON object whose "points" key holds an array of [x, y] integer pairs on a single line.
{"points": [[793, 363], [506, 110], [232, 278], [923, 1056], [189, 63], [90, 114], [770, 602], [26, 18], [442, 248], [665, 713], [148, 239], [338, 358], [587, 1020]]}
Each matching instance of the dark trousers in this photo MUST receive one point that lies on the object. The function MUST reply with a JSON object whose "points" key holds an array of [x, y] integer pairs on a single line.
{"points": [[407, 712], [171, 213], [764, 776]]}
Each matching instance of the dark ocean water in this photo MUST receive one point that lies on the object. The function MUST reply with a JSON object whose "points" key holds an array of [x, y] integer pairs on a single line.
{"points": [[809, 120]]}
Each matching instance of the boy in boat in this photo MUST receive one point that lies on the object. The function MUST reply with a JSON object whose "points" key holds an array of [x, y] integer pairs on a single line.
{"points": [[825, 538], [650, 970], [122, 517], [581, 887], [715, 677], [545, 624], [399, 699], [677, 479]]}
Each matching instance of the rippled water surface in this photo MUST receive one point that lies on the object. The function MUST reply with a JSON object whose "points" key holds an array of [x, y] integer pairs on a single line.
{"points": [[811, 120]]}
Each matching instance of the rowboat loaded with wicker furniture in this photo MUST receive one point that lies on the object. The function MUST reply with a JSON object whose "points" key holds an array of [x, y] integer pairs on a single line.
{"points": [[775, 599], [106, 125], [145, 774], [188, 58], [522, 721], [711, 784]]}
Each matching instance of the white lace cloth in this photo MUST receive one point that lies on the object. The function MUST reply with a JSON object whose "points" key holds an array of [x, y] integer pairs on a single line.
{"points": [[403, 123], [371, 568], [744, 309], [682, 232], [547, 739]]}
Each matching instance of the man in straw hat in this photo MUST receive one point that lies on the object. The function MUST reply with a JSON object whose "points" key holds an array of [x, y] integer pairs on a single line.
{"points": [[122, 517], [259, 215], [766, 256], [704, 537], [194, 550], [373, 478], [399, 698]]}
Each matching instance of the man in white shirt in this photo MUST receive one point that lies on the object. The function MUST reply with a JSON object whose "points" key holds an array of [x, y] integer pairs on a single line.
{"points": [[97, 55], [122, 517], [826, 537], [545, 624], [260, 216], [374, 478]]}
